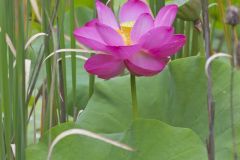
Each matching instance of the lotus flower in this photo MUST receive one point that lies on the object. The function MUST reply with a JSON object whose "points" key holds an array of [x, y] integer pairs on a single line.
{"points": [[140, 43]]}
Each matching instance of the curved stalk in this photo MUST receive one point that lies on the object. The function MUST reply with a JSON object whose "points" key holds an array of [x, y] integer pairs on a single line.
{"points": [[82, 132]]}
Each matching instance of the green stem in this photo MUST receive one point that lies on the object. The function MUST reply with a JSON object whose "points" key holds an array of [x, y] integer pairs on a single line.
{"points": [[187, 33], [20, 109], [5, 100], [73, 55], [91, 85], [134, 96], [180, 29], [195, 42], [62, 63], [2, 148], [91, 76]]}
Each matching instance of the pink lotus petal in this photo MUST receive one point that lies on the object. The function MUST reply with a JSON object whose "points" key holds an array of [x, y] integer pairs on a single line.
{"points": [[166, 16], [132, 9], [156, 37], [174, 44], [109, 35], [123, 52], [89, 36], [104, 66], [106, 16], [144, 64], [143, 24]]}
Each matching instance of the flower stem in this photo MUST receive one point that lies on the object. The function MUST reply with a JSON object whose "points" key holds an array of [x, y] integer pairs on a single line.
{"points": [[134, 97], [91, 85]]}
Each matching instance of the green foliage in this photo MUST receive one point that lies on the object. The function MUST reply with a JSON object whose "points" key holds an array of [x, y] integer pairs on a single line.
{"points": [[177, 97], [84, 3], [82, 85], [151, 140]]}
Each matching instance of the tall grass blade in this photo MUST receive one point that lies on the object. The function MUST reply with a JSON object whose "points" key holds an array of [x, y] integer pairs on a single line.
{"points": [[210, 102], [5, 83], [20, 106], [62, 63], [73, 45]]}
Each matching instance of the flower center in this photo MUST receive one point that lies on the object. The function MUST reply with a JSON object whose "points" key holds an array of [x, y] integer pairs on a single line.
{"points": [[125, 32]]}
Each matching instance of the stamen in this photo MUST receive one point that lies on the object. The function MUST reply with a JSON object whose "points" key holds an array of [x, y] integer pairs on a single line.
{"points": [[125, 32]]}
